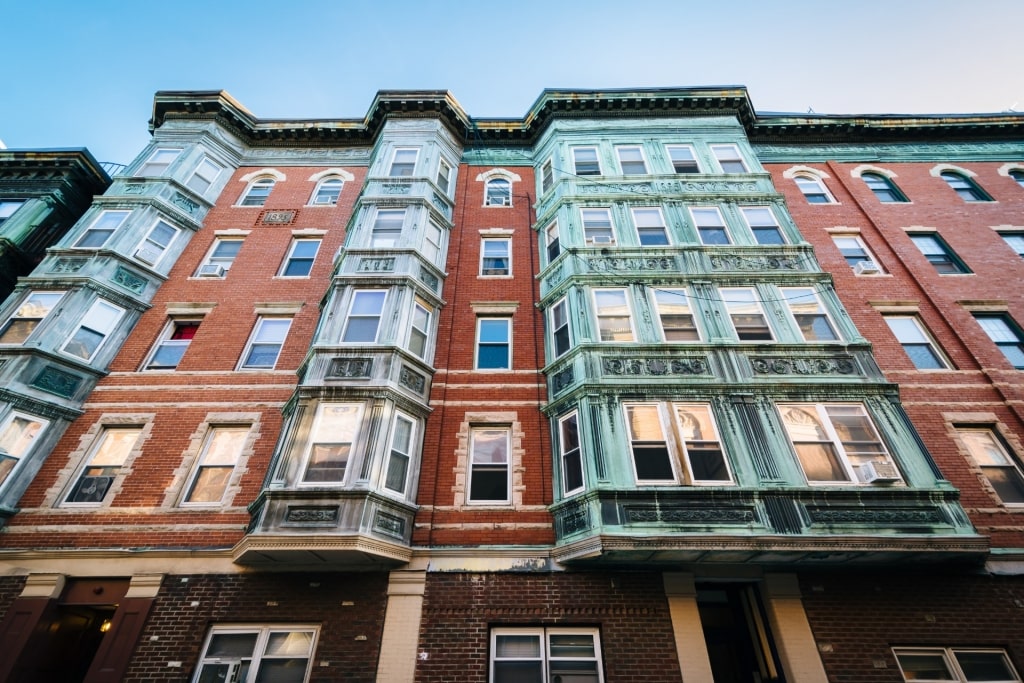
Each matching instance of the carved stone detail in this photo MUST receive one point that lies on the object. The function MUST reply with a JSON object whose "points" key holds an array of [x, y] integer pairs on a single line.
{"points": [[412, 380], [736, 262], [656, 366], [129, 280], [350, 367], [664, 263], [442, 205], [836, 365], [57, 381], [184, 203], [881, 516], [389, 524], [134, 188], [688, 515], [719, 186], [278, 217], [68, 265], [574, 520], [312, 515], [377, 265], [429, 278], [561, 380], [396, 188]]}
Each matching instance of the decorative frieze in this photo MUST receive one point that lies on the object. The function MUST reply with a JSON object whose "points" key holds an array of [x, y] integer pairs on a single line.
{"points": [[184, 203], [315, 516], [835, 365], [719, 187], [346, 368], [278, 217], [656, 367], [396, 188], [573, 520], [617, 264], [135, 188], [674, 514], [442, 205], [391, 525], [68, 265], [411, 379], [562, 380], [129, 280], [889, 515], [745, 263], [429, 279], [376, 264], [56, 381]]}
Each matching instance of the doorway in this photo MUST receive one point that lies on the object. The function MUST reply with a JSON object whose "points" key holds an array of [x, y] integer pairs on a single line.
{"points": [[736, 633]]}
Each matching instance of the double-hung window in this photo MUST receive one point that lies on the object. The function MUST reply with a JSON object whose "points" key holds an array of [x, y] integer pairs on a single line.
{"points": [[153, 247], [494, 344], [489, 465], [498, 192], [683, 159], [257, 192], [545, 655], [433, 241], [204, 176], [883, 188], [97, 234], [547, 176], [855, 252], [363, 321], [675, 315], [675, 443], [33, 310], [402, 442], [614, 319], [939, 254], [403, 163], [102, 466], [301, 255], [746, 314], [813, 189], [763, 225], [916, 341], [1006, 335], [496, 256], [387, 228], [7, 209], [419, 330], [993, 457], [18, 433], [729, 158], [710, 226], [955, 664], [551, 241], [444, 176], [572, 454], [1015, 240], [221, 452], [966, 189], [218, 262], [837, 443], [597, 226], [157, 163], [173, 343], [585, 161], [810, 315], [330, 442], [264, 346], [631, 160], [650, 227], [248, 653], [327, 192], [97, 324], [560, 327]]}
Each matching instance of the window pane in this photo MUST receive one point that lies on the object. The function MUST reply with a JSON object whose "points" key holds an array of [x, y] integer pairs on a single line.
{"points": [[984, 666], [925, 666], [232, 645]]}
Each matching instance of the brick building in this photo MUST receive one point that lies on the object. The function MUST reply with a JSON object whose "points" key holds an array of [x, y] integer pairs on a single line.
{"points": [[645, 386]]}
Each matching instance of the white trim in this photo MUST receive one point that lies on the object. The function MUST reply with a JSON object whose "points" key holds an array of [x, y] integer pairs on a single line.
{"points": [[498, 173], [939, 169], [868, 168], [794, 171], [339, 172], [263, 172]]}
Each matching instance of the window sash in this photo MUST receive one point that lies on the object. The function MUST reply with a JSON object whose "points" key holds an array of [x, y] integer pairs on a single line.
{"points": [[883, 188], [331, 440], [100, 230], [246, 653], [494, 344], [327, 192], [172, 345], [444, 176], [301, 256], [545, 655], [631, 160], [614, 317], [1005, 337], [258, 192], [19, 432], [650, 227], [498, 192], [495, 257], [489, 465], [809, 314], [403, 163], [918, 345], [204, 176], [683, 159], [221, 452], [265, 345], [420, 328], [402, 442], [560, 328], [675, 315], [362, 324], [710, 226], [813, 190], [554, 246], [97, 324], [547, 176], [157, 163], [586, 161], [833, 441], [104, 463], [747, 316], [1002, 470], [597, 226], [387, 228], [29, 315], [729, 158], [572, 454], [763, 225]]}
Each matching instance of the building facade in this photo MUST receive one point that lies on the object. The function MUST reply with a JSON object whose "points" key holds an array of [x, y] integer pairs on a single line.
{"points": [[644, 386]]}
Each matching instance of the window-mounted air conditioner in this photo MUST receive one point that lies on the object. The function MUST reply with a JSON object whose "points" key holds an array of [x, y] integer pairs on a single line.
{"points": [[867, 268], [879, 473], [211, 270], [147, 256]]}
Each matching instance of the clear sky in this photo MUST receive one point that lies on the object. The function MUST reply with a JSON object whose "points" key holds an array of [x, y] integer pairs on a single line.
{"points": [[82, 73]]}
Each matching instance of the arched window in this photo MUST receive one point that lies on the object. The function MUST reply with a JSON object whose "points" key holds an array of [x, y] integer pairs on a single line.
{"points": [[968, 190], [813, 189], [498, 193], [883, 188], [257, 192], [327, 192]]}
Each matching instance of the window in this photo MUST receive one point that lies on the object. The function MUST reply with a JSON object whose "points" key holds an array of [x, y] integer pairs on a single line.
{"points": [[554, 247], [420, 329], [218, 261], [585, 161], [101, 229], [809, 314], [939, 254], [1006, 335], [683, 159], [918, 344], [883, 188], [993, 457], [444, 176], [265, 345], [33, 310], [103, 464], [1018, 175], [387, 228], [7, 209], [560, 327], [597, 226], [498, 193], [690, 428], [572, 454], [433, 242], [17, 435], [967, 665], [173, 343], [837, 443], [966, 188], [856, 253], [363, 320], [675, 315], [401, 454], [746, 314], [547, 176], [96, 326], [330, 442], [763, 224], [403, 163], [156, 243], [545, 655], [614, 321], [729, 158], [710, 226], [217, 461], [204, 176], [1015, 240], [813, 189], [256, 194], [327, 192], [489, 464], [248, 653], [650, 227], [494, 344], [631, 160], [496, 256], [157, 163], [301, 255]]}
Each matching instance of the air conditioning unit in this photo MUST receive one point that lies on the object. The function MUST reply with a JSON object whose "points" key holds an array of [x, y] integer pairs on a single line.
{"points": [[867, 268], [211, 270], [601, 239], [878, 473], [147, 256]]}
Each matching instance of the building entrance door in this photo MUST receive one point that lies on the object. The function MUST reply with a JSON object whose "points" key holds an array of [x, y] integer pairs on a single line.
{"points": [[738, 640]]}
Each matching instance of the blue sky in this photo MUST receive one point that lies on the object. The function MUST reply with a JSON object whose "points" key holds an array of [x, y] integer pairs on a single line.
{"points": [[80, 73]]}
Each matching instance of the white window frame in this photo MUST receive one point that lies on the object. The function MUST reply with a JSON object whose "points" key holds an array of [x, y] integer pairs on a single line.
{"points": [[693, 157], [918, 336], [383, 234], [214, 456], [207, 267], [323, 435], [1005, 334], [677, 438], [623, 163], [696, 211], [737, 303], [865, 256], [291, 258], [476, 465], [552, 241], [560, 322], [498, 197], [100, 225], [606, 235], [329, 197], [267, 333], [748, 211], [444, 177], [107, 469], [399, 458], [724, 159], [93, 322], [481, 344], [159, 166], [952, 664], [401, 166], [150, 251], [419, 327], [547, 176], [546, 658], [997, 458], [813, 187], [668, 309], [644, 225], [599, 315], [16, 442], [577, 162], [433, 247], [26, 310], [799, 301], [1015, 240], [251, 198], [571, 454], [200, 181], [494, 272], [263, 632], [369, 295], [167, 341]]}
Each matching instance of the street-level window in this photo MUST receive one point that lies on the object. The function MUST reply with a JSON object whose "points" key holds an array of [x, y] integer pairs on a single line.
{"points": [[729, 158], [920, 347], [172, 345], [585, 161], [991, 454], [97, 234], [28, 316], [810, 315], [251, 653], [489, 470], [222, 449], [545, 655], [17, 434], [104, 462], [958, 664], [330, 442], [1006, 335]]}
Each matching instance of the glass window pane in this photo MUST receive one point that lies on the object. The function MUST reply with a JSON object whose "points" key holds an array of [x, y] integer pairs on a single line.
{"points": [[984, 666], [232, 645], [925, 666]]}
